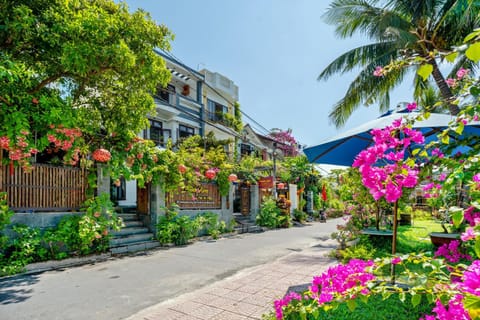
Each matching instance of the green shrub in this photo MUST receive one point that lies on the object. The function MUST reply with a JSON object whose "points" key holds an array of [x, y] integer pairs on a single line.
{"points": [[95, 224], [212, 226], [299, 215], [334, 213], [359, 251], [176, 229], [268, 215]]}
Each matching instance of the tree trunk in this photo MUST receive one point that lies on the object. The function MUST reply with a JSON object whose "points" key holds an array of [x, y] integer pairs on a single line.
{"points": [[445, 91]]}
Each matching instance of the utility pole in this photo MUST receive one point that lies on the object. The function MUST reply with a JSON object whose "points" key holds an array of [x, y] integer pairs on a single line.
{"points": [[274, 155]]}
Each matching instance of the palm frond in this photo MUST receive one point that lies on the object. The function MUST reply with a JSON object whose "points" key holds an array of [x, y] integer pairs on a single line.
{"points": [[378, 53], [366, 89]]}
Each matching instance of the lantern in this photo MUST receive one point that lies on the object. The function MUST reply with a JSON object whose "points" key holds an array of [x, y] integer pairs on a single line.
{"points": [[101, 155], [210, 174], [281, 185], [232, 177], [182, 168]]}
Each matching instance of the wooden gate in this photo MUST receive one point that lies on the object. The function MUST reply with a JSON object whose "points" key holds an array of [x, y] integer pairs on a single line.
{"points": [[46, 188], [245, 199]]}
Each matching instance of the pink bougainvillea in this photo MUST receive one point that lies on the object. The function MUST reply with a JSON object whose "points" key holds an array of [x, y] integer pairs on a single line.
{"points": [[451, 252], [455, 310], [390, 146]]}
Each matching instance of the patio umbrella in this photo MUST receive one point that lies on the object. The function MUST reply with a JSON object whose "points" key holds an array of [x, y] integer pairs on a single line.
{"points": [[343, 148]]}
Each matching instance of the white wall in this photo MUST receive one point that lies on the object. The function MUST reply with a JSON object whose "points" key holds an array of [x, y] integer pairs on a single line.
{"points": [[131, 194]]}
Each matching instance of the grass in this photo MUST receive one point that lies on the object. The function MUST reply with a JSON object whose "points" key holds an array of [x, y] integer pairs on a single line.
{"points": [[416, 238]]}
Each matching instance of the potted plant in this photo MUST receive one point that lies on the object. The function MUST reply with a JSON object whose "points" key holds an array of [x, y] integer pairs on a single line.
{"points": [[451, 225]]}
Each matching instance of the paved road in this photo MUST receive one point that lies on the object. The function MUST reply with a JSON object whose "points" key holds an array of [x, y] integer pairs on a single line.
{"points": [[121, 287]]}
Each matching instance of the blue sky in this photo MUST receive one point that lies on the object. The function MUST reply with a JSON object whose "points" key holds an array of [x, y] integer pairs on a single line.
{"points": [[273, 50]]}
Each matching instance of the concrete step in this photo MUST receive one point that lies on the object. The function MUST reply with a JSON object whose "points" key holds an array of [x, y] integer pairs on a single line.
{"points": [[128, 216], [129, 231], [133, 223], [248, 228], [128, 240], [134, 247]]}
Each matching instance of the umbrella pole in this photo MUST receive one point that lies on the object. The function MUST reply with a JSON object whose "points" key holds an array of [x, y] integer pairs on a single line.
{"points": [[394, 240]]}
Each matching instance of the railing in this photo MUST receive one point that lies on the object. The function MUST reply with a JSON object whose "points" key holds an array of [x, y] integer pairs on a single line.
{"points": [[46, 188], [207, 198]]}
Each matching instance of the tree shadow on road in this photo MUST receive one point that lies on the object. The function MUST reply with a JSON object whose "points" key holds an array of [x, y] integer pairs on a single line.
{"points": [[16, 289]]}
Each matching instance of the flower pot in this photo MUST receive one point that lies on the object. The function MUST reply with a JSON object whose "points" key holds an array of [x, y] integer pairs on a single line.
{"points": [[405, 219], [440, 238]]}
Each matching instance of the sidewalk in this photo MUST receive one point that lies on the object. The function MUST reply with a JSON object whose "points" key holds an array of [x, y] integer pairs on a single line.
{"points": [[248, 294]]}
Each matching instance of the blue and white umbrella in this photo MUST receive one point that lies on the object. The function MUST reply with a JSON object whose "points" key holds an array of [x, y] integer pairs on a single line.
{"points": [[343, 148]]}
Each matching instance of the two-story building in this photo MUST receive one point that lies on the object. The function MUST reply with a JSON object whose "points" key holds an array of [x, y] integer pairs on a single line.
{"points": [[193, 103], [219, 97]]}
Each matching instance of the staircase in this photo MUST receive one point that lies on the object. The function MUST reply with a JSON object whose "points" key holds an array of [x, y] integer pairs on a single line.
{"points": [[133, 237], [244, 225]]}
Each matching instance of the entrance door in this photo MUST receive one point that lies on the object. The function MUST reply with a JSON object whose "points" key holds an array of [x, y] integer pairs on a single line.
{"points": [[143, 199], [245, 199]]}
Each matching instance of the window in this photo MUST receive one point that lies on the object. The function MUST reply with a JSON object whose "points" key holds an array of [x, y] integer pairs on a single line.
{"points": [[165, 93], [156, 132], [216, 110], [118, 189], [246, 149], [184, 131]]}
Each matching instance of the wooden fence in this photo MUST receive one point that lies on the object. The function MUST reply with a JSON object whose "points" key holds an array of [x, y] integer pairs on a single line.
{"points": [[46, 188], [207, 198]]}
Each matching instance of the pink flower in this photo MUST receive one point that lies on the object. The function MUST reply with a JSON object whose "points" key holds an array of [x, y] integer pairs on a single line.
{"points": [[471, 279], [379, 72], [450, 251], [469, 234], [455, 310], [451, 82], [475, 117], [396, 260], [442, 176], [412, 106], [462, 73], [279, 304], [476, 177], [437, 153]]}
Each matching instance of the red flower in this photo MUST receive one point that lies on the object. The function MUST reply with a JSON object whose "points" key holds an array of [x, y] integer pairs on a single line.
{"points": [[182, 168], [210, 174], [101, 155]]}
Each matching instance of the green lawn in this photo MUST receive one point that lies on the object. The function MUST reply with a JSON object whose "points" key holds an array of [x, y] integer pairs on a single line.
{"points": [[415, 238]]}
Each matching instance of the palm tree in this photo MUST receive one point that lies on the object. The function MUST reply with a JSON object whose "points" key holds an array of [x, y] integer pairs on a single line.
{"points": [[400, 30]]}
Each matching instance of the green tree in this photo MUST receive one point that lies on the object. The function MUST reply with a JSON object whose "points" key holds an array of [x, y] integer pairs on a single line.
{"points": [[83, 64], [400, 30]]}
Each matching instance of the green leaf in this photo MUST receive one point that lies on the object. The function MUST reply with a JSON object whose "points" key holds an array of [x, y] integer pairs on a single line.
{"points": [[425, 70], [457, 218], [402, 296], [472, 35], [472, 304], [451, 57], [445, 139], [473, 52], [475, 91], [351, 305], [415, 152], [459, 128], [477, 247], [416, 299]]}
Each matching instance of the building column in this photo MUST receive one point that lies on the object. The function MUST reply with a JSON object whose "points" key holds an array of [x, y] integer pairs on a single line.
{"points": [[254, 201], [157, 206], [292, 191], [103, 180]]}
